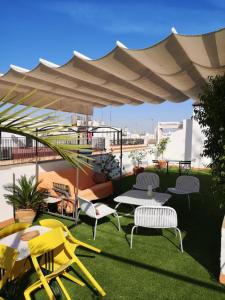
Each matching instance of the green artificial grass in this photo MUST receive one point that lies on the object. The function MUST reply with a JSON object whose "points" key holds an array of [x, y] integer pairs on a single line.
{"points": [[155, 268]]}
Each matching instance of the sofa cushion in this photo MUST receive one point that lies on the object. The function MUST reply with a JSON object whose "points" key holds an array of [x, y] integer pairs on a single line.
{"points": [[98, 191]]}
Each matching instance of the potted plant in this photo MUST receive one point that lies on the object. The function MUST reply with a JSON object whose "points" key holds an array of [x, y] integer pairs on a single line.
{"points": [[25, 197], [106, 167], [137, 156], [161, 147]]}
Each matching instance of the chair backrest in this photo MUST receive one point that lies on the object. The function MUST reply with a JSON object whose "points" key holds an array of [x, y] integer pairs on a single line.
{"points": [[7, 259], [155, 217], [87, 207], [46, 242], [52, 223], [62, 189], [12, 228], [147, 178], [188, 183]]}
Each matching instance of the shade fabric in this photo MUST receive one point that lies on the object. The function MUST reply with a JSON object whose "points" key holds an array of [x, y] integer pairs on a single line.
{"points": [[174, 69]]}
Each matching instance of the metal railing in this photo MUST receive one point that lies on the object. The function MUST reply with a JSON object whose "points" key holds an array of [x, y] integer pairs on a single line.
{"points": [[19, 148], [127, 142]]}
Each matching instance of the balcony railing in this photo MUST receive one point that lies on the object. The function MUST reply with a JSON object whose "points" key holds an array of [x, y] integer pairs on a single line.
{"points": [[126, 141], [21, 149]]}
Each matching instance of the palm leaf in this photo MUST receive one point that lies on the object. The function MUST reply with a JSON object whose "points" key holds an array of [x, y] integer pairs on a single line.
{"points": [[43, 129]]}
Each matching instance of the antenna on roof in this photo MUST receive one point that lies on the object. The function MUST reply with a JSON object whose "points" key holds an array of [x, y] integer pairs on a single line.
{"points": [[173, 29]]}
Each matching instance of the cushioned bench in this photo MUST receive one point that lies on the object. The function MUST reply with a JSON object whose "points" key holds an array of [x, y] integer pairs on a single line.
{"points": [[87, 188]]}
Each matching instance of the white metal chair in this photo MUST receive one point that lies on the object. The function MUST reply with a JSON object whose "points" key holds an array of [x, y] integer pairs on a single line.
{"points": [[97, 211], [146, 178], [155, 217], [185, 185]]}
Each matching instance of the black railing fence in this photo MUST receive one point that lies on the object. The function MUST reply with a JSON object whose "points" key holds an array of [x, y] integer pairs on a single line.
{"points": [[16, 148], [127, 141]]}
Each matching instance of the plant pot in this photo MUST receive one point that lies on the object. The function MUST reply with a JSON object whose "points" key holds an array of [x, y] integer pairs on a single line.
{"points": [[162, 164], [25, 215], [138, 170], [99, 177]]}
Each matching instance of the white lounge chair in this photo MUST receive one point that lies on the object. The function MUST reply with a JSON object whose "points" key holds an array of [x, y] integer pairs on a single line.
{"points": [[155, 217], [185, 185], [97, 211], [145, 179]]}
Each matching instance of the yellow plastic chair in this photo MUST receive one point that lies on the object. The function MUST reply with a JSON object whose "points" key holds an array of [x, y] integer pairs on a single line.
{"points": [[52, 223], [7, 259], [20, 266], [74, 243], [12, 228], [51, 252]]}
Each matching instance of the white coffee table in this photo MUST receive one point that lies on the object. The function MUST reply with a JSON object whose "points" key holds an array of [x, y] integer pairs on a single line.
{"points": [[138, 197]]}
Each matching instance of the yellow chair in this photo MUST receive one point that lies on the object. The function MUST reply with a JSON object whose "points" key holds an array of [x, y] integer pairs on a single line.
{"points": [[74, 243], [12, 228], [51, 252], [7, 259], [52, 223]]}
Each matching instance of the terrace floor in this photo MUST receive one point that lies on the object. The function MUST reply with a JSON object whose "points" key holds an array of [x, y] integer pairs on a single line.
{"points": [[155, 268]]}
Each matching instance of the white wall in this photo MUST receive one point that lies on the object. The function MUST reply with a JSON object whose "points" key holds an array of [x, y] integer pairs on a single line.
{"points": [[6, 177], [198, 138], [187, 144], [175, 149], [128, 164]]}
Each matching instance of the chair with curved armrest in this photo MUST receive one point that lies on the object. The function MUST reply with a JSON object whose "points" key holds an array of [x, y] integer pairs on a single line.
{"points": [[185, 185], [51, 257], [155, 217], [74, 243], [97, 211], [52, 223], [145, 179], [8, 257]]}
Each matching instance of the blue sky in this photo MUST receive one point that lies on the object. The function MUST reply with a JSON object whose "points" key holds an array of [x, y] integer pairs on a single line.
{"points": [[53, 29]]}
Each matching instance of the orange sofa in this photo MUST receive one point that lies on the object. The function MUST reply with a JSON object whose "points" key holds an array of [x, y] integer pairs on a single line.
{"points": [[87, 188]]}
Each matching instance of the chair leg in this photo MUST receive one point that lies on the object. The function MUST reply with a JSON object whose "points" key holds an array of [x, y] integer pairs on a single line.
{"points": [[89, 276], [63, 288], [118, 220], [189, 202], [175, 231], [131, 238], [202, 199], [117, 205], [72, 278], [95, 228], [77, 216], [181, 243], [88, 247]]}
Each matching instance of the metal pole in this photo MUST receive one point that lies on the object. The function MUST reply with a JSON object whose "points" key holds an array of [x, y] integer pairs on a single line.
{"points": [[36, 154], [14, 183], [121, 158]]}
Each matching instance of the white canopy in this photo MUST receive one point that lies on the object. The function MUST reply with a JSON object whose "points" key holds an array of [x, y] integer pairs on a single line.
{"points": [[174, 69]]}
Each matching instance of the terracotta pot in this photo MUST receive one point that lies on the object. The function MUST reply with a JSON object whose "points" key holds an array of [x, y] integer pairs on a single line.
{"points": [[99, 177], [162, 164], [138, 170], [25, 215]]}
